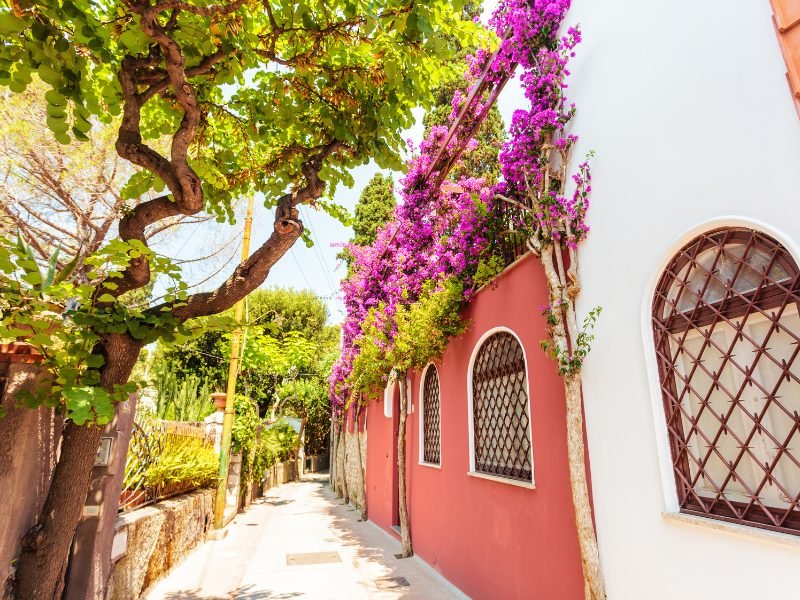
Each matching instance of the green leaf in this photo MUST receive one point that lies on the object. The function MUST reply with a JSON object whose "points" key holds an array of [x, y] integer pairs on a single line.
{"points": [[57, 125], [95, 361], [54, 98], [10, 24]]}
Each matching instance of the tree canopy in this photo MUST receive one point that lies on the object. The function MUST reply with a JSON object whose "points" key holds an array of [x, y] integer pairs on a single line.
{"points": [[216, 101], [287, 338]]}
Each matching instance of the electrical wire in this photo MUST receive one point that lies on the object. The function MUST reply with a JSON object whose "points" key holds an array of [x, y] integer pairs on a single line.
{"points": [[318, 252]]}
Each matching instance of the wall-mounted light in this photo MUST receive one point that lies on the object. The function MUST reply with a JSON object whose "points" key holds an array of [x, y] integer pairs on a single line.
{"points": [[103, 457]]}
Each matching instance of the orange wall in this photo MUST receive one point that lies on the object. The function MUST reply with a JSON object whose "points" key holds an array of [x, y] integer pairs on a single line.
{"points": [[490, 539]]}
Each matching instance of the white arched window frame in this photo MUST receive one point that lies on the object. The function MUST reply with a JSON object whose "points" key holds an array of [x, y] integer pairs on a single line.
{"points": [[421, 397], [388, 397], [471, 428], [665, 460]]}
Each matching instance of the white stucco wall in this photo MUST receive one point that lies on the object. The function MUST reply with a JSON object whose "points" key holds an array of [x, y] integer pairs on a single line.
{"points": [[687, 107]]}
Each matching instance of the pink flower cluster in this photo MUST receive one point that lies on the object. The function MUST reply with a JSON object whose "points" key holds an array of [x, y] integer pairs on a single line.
{"points": [[436, 235], [525, 158], [433, 236]]}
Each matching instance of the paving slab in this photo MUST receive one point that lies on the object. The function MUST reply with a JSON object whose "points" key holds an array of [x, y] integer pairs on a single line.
{"points": [[300, 541]]}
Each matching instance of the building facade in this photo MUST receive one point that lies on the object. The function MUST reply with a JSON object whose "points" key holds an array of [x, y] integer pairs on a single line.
{"points": [[698, 165], [488, 481]]}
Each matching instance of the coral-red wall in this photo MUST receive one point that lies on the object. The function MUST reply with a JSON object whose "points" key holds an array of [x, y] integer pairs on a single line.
{"points": [[491, 539]]}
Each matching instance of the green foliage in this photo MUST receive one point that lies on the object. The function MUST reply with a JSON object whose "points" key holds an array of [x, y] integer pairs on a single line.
{"points": [[186, 460], [288, 334], [423, 331], [307, 398], [374, 209], [44, 307], [186, 400], [570, 364], [159, 458], [488, 269], [276, 444], [261, 447], [356, 87], [273, 83]]}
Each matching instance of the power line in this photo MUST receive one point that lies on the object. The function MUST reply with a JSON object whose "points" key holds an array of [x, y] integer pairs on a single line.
{"points": [[320, 258]]}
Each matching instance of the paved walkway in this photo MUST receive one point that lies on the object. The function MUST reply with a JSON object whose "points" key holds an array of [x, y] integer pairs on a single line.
{"points": [[267, 552]]}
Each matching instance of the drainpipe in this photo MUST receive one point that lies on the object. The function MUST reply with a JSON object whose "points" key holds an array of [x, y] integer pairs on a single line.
{"points": [[233, 371]]}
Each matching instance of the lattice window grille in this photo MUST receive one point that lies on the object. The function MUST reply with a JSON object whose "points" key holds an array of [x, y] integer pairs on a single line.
{"points": [[727, 333], [431, 418], [500, 410]]}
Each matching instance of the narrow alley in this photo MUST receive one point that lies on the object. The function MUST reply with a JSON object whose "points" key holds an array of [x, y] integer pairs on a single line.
{"points": [[300, 541]]}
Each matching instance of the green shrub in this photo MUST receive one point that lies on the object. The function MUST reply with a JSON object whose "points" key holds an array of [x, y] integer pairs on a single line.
{"points": [[183, 460], [276, 444]]}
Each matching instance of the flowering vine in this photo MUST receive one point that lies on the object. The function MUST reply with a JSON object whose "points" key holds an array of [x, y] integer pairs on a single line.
{"points": [[443, 233]]}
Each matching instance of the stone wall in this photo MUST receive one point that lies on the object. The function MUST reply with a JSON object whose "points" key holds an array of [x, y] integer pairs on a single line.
{"points": [[151, 540], [349, 471], [284, 472]]}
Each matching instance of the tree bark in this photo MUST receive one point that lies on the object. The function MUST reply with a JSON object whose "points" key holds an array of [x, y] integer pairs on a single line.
{"points": [[343, 441], [564, 332], [402, 504], [594, 587], [361, 469], [332, 454], [45, 548]]}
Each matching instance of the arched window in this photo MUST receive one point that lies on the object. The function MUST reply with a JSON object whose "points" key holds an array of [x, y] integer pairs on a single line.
{"points": [[431, 418], [727, 334], [501, 427]]}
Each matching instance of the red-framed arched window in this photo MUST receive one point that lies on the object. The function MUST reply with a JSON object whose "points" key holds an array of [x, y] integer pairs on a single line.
{"points": [[727, 335]]}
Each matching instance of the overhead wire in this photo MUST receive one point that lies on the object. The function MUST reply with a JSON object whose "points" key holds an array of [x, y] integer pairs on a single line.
{"points": [[318, 253]]}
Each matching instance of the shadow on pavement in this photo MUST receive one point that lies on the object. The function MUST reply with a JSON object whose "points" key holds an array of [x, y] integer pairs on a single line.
{"points": [[247, 592]]}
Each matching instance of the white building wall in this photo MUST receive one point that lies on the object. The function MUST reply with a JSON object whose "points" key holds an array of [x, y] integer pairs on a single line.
{"points": [[687, 107]]}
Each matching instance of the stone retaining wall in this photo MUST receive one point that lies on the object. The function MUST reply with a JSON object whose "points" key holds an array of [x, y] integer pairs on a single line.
{"points": [[151, 540]]}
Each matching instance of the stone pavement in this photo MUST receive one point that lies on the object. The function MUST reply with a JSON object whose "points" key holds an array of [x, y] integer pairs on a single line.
{"points": [[301, 542]]}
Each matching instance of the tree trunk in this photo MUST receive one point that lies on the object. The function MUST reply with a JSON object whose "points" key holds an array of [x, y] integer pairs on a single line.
{"points": [[564, 333], [593, 577], [343, 441], [361, 470], [405, 531], [46, 547], [332, 455]]}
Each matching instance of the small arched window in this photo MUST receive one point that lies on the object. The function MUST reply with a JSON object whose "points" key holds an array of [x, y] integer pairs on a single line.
{"points": [[431, 418], [501, 426], [727, 334]]}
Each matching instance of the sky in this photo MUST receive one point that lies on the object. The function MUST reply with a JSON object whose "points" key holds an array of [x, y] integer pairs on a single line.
{"points": [[315, 268]]}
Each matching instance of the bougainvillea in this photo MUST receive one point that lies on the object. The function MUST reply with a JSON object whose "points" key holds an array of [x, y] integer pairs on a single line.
{"points": [[435, 236], [440, 236]]}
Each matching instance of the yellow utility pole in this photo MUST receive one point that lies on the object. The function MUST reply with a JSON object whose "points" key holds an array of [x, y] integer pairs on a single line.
{"points": [[233, 371]]}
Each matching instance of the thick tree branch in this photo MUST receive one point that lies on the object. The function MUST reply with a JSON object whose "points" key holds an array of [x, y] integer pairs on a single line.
{"points": [[253, 272]]}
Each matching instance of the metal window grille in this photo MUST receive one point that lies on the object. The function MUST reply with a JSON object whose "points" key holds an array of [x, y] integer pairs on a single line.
{"points": [[727, 334], [501, 423], [431, 418]]}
